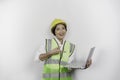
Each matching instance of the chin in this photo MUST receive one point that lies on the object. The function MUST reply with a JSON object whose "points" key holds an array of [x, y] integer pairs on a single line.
{"points": [[61, 37]]}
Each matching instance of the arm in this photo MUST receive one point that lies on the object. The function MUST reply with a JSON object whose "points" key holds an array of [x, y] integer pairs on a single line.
{"points": [[88, 64], [45, 56], [41, 54]]}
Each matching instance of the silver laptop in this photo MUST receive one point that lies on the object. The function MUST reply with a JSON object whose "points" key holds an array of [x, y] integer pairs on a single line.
{"points": [[77, 65]]}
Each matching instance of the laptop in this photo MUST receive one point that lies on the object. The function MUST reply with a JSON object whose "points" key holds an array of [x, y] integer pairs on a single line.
{"points": [[77, 65]]}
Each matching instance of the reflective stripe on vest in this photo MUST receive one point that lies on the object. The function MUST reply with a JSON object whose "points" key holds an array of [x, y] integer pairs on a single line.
{"points": [[48, 45], [53, 61], [72, 47], [54, 75]]}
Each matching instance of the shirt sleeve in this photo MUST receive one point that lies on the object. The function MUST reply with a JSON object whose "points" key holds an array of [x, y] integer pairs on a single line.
{"points": [[41, 50]]}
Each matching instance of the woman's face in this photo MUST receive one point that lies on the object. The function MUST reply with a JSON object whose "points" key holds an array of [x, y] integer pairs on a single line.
{"points": [[60, 31]]}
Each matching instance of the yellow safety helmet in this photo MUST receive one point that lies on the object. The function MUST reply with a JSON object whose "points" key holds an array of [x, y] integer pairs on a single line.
{"points": [[57, 21]]}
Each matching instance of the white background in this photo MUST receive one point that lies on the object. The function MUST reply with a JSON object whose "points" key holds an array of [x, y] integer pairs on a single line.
{"points": [[24, 23]]}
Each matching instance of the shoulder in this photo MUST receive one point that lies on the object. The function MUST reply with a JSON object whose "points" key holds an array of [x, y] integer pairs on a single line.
{"points": [[73, 44], [43, 41], [48, 40]]}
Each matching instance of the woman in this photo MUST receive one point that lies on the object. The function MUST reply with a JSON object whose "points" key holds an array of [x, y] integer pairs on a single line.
{"points": [[57, 53]]}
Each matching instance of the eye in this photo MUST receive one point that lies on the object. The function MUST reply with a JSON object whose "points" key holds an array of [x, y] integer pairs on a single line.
{"points": [[63, 28], [57, 29]]}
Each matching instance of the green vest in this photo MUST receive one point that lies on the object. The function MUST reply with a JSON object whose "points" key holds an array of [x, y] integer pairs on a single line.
{"points": [[53, 66]]}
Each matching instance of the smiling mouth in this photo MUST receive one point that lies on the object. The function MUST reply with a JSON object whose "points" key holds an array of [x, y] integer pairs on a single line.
{"points": [[61, 34]]}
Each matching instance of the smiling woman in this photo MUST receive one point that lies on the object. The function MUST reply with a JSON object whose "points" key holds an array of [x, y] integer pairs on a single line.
{"points": [[56, 53], [24, 26], [59, 29]]}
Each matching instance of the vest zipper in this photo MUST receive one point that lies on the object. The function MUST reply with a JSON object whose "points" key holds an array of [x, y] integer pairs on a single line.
{"points": [[61, 54]]}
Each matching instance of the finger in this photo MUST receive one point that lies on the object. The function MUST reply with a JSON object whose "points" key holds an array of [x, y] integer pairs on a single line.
{"points": [[57, 48], [90, 62], [60, 51], [86, 66]]}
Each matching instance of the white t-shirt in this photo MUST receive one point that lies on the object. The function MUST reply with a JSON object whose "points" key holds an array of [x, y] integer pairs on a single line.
{"points": [[41, 50]]}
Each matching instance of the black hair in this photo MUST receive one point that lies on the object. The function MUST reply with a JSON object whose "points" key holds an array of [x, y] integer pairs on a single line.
{"points": [[53, 29]]}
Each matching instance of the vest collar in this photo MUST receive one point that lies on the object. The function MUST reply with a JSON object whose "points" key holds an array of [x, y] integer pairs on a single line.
{"points": [[59, 43]]}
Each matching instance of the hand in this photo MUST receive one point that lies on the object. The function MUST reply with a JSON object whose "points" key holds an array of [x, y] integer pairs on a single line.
{"points": [[55, 51], [88, 64]]}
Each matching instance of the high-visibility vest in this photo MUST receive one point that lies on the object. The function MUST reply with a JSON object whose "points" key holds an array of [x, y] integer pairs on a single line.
{"points": [[53, 66]]}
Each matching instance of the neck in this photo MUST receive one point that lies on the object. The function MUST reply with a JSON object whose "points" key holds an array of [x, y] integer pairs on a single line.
{"points": [[61, 40]]}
